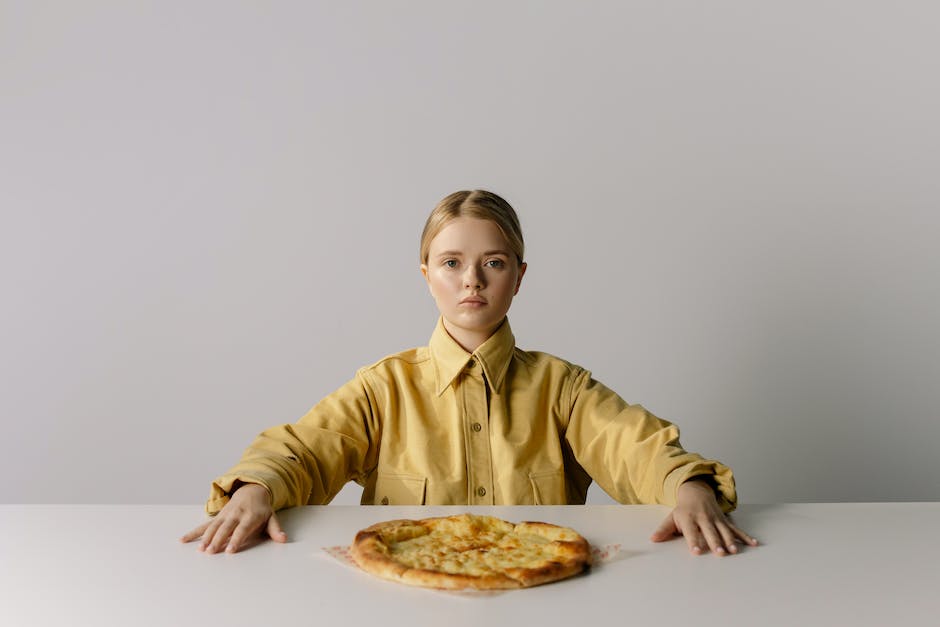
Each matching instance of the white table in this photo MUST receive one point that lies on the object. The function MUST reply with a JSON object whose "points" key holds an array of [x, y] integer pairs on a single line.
{"points": [[820, 564]]}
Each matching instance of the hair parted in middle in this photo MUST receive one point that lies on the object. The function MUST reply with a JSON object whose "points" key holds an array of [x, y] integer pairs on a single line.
{"points": [[479, 204]]}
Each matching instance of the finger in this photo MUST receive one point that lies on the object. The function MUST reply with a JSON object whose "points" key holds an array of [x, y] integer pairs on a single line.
{"points": [[712, 537], [693, 537], [209, 532], [742, 535], [245, 530], [274, 529], [222, 535], [727, 536], [666, 530], [196, 533]]}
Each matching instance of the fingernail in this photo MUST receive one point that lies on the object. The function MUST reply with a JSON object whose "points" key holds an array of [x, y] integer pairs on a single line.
{"points": [[720, 549], [733, 549]]}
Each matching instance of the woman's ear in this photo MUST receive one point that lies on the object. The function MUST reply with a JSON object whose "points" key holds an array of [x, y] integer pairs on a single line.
{"points": [[522, 268], [424, 271]]}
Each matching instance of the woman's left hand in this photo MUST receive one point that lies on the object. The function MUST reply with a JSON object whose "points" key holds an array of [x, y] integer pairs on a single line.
{"points": [[698, 517]]}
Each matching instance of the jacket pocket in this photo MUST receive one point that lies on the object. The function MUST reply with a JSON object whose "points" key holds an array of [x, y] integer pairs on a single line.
{"points": [[400, 489], [548, 487]]}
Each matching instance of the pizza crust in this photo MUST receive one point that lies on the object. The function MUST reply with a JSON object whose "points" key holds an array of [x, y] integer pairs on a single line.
{"points": [[469, 551]]}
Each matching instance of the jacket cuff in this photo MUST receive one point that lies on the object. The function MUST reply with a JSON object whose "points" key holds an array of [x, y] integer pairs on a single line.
{"points": [[716, 474], [222, 488]]}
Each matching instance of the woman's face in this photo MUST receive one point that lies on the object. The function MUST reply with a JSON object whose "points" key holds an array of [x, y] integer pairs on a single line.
{"points": [[473, 275]]}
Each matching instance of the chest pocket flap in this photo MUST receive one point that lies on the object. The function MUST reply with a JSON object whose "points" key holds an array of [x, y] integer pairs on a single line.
{"points": [[400, 489], [549, 487]]}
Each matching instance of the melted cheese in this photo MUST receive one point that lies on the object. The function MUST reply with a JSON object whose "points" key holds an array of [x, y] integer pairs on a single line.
{"points": [[474, 549]]}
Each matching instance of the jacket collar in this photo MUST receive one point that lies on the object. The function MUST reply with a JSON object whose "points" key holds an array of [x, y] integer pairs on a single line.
{"points": [[450, 358]]}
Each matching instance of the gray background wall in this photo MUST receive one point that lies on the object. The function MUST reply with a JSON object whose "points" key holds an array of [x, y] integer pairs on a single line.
{"points": [[211, 211]]}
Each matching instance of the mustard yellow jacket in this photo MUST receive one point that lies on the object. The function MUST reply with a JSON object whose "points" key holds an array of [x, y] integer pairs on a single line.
{"points": [[439, 426]]}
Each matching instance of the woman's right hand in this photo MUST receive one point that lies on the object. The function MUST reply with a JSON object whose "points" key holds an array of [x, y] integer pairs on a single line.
{"points": [[248, 516]]}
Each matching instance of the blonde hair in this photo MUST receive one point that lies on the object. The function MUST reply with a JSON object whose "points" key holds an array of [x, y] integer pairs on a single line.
{"points": [[479, 204]]}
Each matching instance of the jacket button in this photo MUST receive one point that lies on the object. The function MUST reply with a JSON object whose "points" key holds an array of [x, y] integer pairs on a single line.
{"points": [[470, 363], [481, 491], [477, 427], [384, 500]]}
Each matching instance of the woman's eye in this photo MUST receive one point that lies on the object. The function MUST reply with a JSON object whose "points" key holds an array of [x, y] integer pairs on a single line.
{"points": [[495, 263], [451, 263]]}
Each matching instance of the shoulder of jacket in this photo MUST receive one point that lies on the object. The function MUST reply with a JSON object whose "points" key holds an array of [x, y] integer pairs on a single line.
{"points": [[411, 357], [540, 359]]}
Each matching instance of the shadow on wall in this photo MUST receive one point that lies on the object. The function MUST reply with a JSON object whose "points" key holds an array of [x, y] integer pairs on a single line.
{"points": [[837, 400]]}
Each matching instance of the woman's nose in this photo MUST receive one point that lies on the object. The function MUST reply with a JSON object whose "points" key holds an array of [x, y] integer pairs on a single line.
{"points": [[473, 277]]}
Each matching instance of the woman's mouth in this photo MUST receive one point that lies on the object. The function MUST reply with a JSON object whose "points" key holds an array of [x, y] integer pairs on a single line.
{"points": [[473, 301]]}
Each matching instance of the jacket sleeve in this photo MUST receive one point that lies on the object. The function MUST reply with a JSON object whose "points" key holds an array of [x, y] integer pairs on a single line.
{"points": [[308, 463], [633, 455]]}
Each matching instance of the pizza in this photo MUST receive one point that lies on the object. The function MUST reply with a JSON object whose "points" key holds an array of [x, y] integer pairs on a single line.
{"points": [[469, 551]]}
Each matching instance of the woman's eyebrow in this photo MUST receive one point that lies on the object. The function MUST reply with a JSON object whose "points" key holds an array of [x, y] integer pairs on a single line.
{"points": [[457, 253]]}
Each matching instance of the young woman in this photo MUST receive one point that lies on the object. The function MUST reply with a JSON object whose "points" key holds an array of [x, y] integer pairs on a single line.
{"points": [[471, 419]]}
